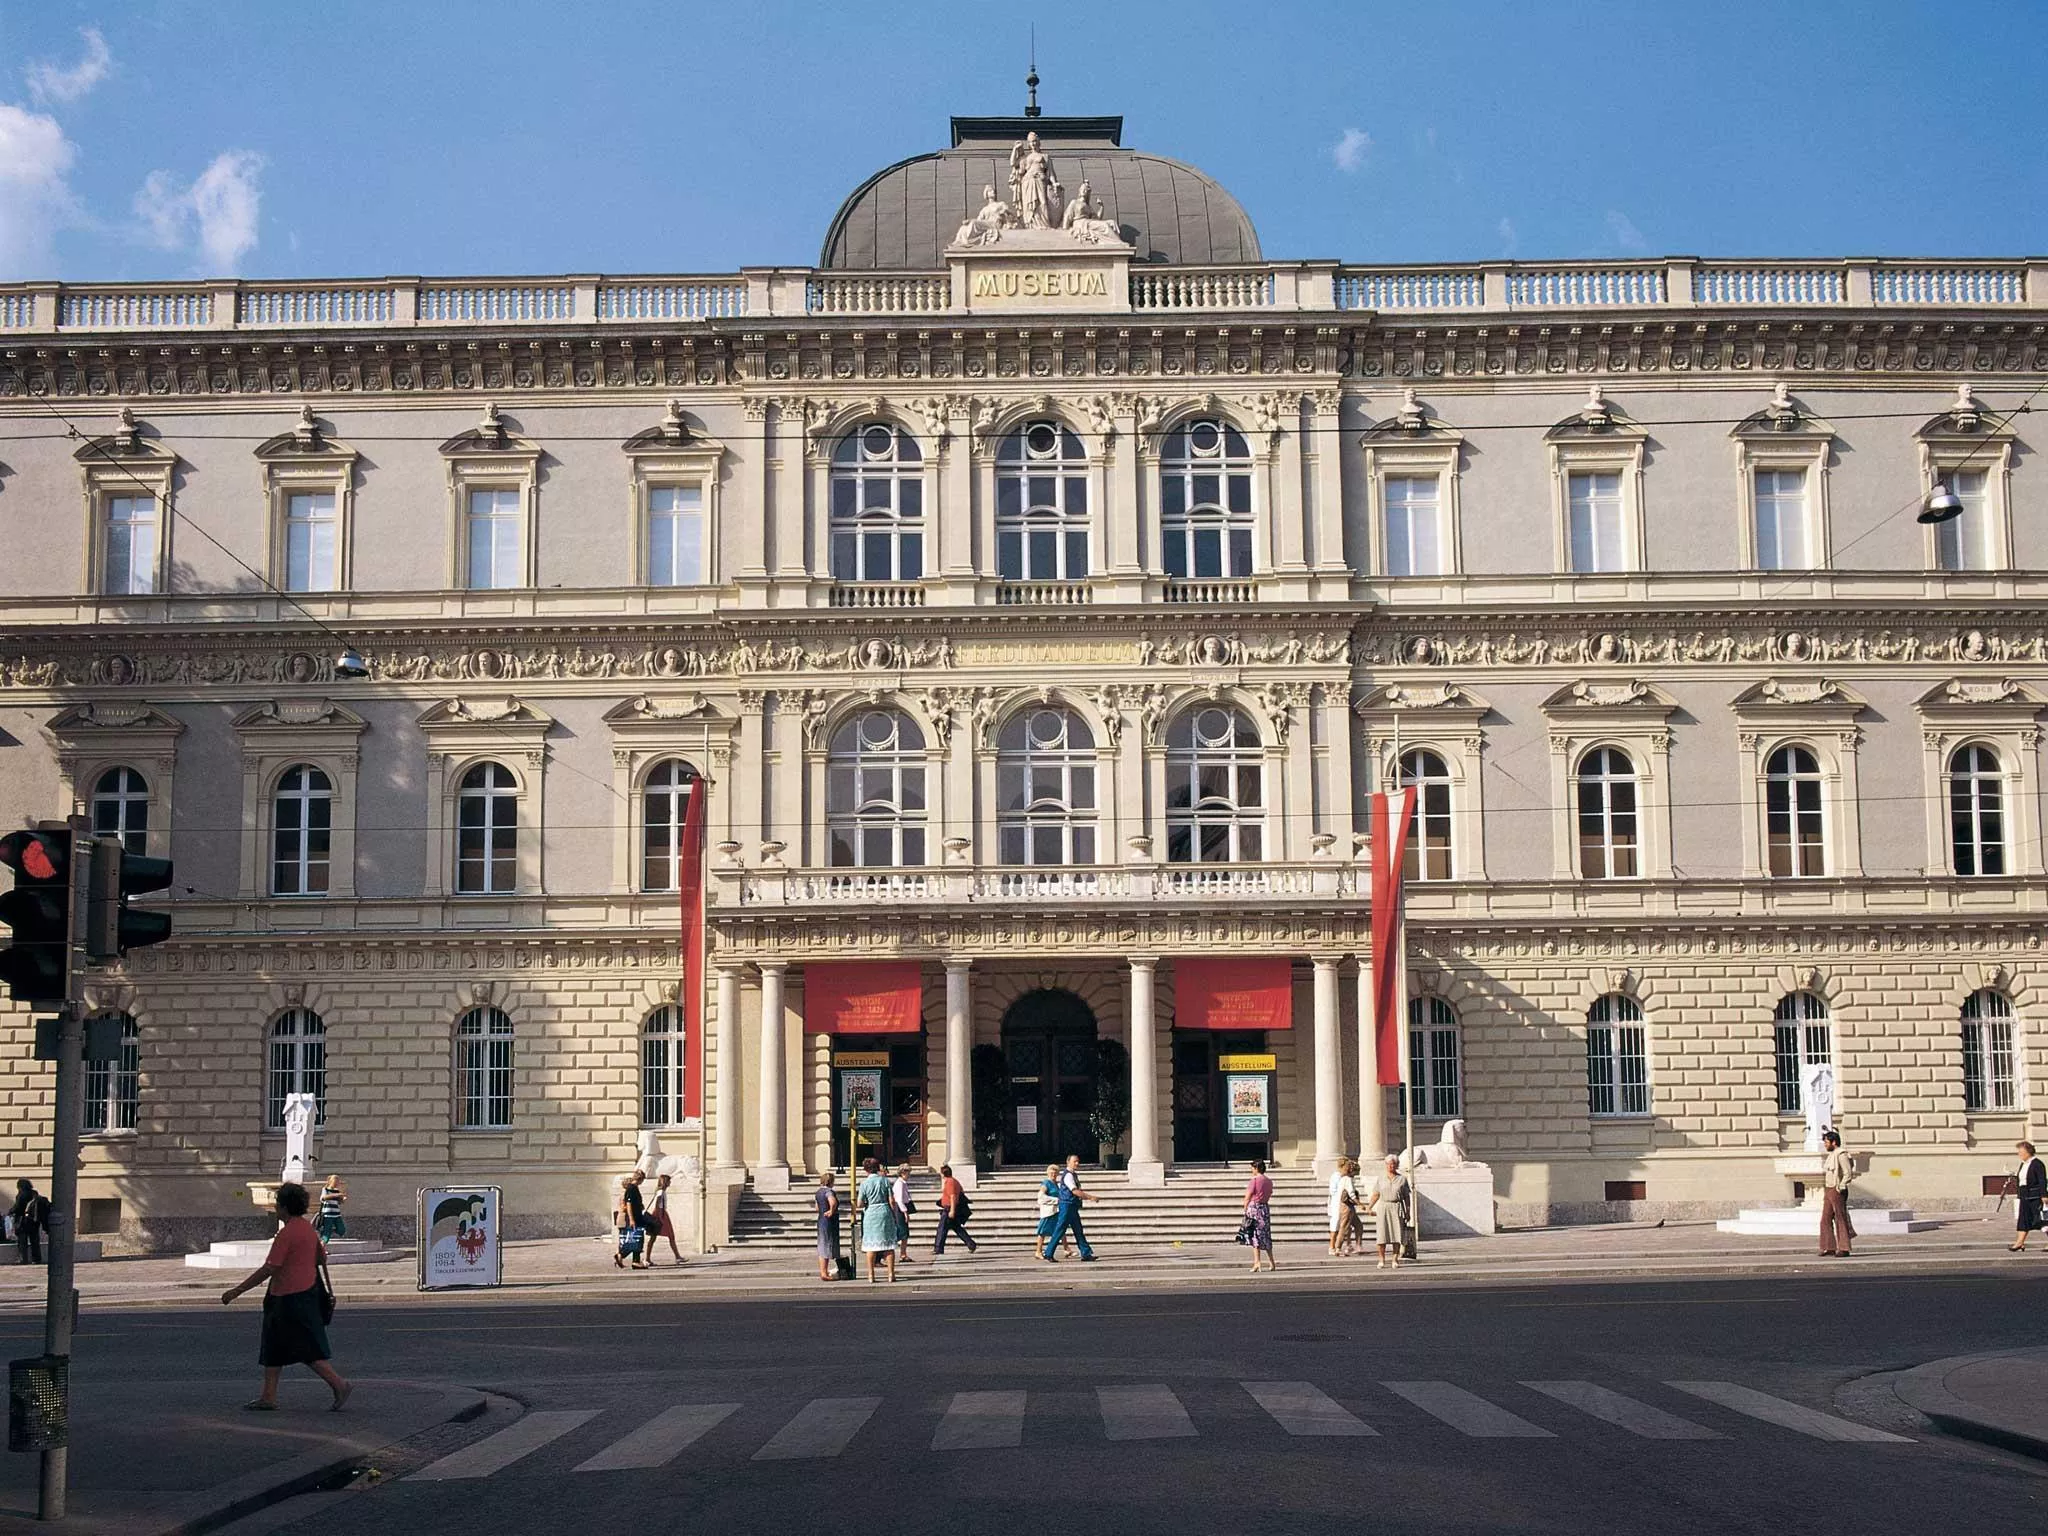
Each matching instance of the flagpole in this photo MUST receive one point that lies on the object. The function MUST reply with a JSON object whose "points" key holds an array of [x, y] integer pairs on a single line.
{"points": [[694, 976], [1398, 879]]}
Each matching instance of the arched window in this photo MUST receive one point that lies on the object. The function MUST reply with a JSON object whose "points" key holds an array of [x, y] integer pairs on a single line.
{"points": [[1617, 1058], [663, 1064], [1215, 788], [1976, 811], [487, 831], [1793, 830], [1428, 854], [1990, 1079], [483, 1070], [1205, 501], [664, 800], [874, 791], [1045, 789], [301, 834], [1801, 1038], [1042, 504], [113, 1089], [120, 808], [877, 505], [298, 1063], [1607, 815], [1433, 1074]]}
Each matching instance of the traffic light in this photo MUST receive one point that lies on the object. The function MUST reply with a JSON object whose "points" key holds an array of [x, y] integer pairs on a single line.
{"points": [[112, 927], [38, 909]]}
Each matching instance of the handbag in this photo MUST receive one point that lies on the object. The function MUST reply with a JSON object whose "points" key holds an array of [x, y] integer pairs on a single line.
{"points": [[1246, 1231], [630, 1241], [326, 1288]]}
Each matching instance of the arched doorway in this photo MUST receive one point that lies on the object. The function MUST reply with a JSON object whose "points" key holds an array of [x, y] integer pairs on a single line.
{"points": [[1049, 1058]]}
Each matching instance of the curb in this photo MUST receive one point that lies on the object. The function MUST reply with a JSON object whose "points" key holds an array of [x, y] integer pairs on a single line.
{"points": [[1925, 1390], [229, 1502]]}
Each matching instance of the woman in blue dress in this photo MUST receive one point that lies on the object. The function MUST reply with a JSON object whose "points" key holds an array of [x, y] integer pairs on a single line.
{"points": [[877, 1218], [828, 1226]]}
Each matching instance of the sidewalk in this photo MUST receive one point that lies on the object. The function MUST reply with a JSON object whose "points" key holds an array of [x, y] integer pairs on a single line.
{"points": [[581, 1268], [1999, 1398], [142, 1477]]}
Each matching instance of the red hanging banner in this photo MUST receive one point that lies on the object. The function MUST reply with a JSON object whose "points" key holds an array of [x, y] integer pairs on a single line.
{"points": [[871, 997], [1246, 995], [690, 882], [1389, 847]]}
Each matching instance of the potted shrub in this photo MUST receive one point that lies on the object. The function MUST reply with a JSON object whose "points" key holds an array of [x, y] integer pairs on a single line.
{"points": [[990, 1077], [1110, 1120]]}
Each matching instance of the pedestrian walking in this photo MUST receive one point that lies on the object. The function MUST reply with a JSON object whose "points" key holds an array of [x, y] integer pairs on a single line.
{"points": [[332, 1198], [954, 1209], [30, 1215], [1071, 1198], [664, 1224], [827, 1199], [1258, 1216], [1344, 1208], [2029, 1188], [1048, 1206], [877, 1218], [1837, 1173], [630, 1217], [297, 1304], [901, 1205], [1387, 1204]]}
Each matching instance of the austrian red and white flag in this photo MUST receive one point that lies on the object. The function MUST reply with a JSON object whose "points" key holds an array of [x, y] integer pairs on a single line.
{"points": [[1389, 842], [691, 883]]}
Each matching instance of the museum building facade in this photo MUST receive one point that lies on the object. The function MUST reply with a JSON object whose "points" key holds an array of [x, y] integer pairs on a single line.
{"points": [[1028, 597]]}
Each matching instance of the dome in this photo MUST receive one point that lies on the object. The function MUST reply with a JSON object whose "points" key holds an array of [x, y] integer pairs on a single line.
{"points": [[904, 217]]}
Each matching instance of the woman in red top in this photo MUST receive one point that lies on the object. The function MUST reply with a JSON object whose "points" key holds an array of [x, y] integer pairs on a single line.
{"points": [[294, 1327]]}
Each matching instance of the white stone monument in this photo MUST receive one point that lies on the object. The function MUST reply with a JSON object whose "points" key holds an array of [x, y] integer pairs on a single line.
{"points": [[301, 1120], [1455, 1194], [1817, 1088]]}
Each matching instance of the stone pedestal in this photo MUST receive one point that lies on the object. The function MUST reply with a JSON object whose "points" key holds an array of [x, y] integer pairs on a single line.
{"points": [[1456, 1202], [1147, 1175], [1803, 1220], [772, 1178]]}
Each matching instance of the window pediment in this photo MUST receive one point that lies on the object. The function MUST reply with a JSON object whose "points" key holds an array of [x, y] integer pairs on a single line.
{"points": [[1967, 703], [1623, 704], [299, 722], [1799, 704], [308, 446], [675, 436], [1414, 423], [1965, 424], [130, 448], [1436, 706], [1597, 422], [1785, 422], [493, 440], [103, 723]]}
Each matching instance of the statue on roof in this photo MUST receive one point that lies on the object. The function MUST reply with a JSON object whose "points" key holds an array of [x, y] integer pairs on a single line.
{"points": [[987, 226], [1085, 222], [1034, 189]]}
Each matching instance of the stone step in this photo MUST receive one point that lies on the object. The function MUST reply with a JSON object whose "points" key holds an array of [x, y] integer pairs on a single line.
{"points": [[248, 1253], [1804, 1221]]}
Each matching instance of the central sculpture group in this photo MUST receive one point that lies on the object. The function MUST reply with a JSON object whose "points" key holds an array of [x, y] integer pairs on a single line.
{"points": [[1038, 202]]}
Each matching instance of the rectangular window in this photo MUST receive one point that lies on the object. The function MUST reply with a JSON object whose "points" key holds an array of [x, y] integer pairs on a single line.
{"points": [[1596, 527], [132, 533], [1989, 1079], [675, 536], [492, 538], [1794, 828], [1799, 1045], [1783, 533], [484, 1072], [1414, 525], [1617, 1070], [1964, 543], [310, 543]]}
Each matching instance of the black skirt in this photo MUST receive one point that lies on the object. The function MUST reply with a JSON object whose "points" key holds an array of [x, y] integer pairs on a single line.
{"points": [[2029, 1213], [292, 1331]]}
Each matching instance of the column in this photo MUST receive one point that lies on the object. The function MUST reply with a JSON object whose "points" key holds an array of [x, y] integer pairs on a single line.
{"points": [[959, 1075], [1372, 1098], [771, 1168], [1329, 1069], [1146, 1167], [728, 1106]]}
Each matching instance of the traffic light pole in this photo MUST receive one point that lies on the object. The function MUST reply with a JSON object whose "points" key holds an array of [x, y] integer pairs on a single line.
{"points": [[61, 1301]]}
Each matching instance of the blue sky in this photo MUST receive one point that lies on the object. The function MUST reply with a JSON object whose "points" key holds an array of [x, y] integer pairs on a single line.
{"points": [[153, 139]]}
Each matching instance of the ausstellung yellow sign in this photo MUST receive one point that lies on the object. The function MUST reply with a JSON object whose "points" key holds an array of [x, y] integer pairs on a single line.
{"points": [[861, 1059], [1246, 1063]]}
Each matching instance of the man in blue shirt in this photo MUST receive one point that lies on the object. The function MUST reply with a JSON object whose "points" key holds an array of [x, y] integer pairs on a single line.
{"points": [[1069, 1219]]}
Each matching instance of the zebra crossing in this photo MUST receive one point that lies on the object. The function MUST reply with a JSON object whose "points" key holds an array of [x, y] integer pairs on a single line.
{"points": [[825, 1427]]}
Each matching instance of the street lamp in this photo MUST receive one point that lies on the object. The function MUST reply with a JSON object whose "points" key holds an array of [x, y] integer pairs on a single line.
{"points": [[350, 663], [1942, 506]]}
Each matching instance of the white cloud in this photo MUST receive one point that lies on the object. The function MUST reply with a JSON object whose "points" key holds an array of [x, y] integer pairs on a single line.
{"points": [[1509, 235], [1350, 151], [218, 213], [35, 197], [51, 82], [1624, 232]]}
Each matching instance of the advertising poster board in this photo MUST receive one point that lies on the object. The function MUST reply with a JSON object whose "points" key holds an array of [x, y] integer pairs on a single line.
{"points": [[1249, 1104], [860, 1098], [458, 1238]]}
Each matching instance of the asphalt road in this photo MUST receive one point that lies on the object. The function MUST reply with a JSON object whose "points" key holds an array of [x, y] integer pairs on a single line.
{"points": [[1291, 1411]]}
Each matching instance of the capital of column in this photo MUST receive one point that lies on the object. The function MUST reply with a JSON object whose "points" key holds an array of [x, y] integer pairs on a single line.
{"points": [[956, 966], [772, 967], [1143, 962]]}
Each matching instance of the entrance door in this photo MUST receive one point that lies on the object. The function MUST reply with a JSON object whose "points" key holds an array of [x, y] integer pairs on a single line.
{"points": [[1201, 1100], [1049, 1052]]}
